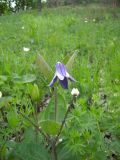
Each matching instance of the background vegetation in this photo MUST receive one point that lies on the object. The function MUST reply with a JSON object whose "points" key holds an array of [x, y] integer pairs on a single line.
{"points": [[93, 127], [17, 5]]}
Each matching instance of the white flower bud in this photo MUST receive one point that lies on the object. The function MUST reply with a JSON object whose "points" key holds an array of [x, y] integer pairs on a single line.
{"points": [[26, 49], [75, 92], [0, 94]]}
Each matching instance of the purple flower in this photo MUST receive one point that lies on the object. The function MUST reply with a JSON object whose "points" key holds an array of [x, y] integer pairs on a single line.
{"points": [[62, 75]]}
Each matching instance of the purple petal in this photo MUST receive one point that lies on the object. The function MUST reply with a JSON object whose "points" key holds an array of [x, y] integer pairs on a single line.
{"points": [[53, 81], [64, 83], [70, 77], [60, 70]]}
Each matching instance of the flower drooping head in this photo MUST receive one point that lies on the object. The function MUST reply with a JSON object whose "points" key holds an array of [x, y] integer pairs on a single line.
{"points": [[62, 75]]}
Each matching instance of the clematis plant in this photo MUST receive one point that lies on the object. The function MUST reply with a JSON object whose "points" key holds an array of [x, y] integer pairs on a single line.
{"points": [[62, 76], [54, 116]]}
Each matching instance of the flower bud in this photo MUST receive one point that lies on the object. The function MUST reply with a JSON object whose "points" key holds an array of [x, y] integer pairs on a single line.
{"points": [[34, 92], [75, 92], [26, 49]]}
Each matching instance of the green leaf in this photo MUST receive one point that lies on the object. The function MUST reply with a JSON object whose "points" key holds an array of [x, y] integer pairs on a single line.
{"points": [[3, 151], [49, 112], [34, 92], [44, 68], [64, 153], [100, 155], [29, 150], [50, 127], [71, 61], [12, 118], [4, 101], [3, 78], [28, 78]]}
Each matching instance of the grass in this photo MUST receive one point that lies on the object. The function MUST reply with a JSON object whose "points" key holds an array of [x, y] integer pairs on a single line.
{"points": [[55, 33]]}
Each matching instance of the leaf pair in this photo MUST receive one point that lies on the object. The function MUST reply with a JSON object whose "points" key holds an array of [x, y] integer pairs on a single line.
{"points": [[46, 70]]}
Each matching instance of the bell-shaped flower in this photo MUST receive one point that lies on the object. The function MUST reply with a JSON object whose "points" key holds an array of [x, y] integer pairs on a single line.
{"points": [[62, 75]]}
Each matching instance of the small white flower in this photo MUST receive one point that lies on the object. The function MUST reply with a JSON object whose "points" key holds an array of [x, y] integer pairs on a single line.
{"points": [[13, 4], [25, 8], [0, 94], [75, 92], [22, 27], [85, 21], [26, 49], [60, 140], [94, 20], [44, 1]]}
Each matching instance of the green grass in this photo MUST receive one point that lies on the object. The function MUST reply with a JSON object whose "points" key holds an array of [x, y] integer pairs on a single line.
{"points": [[55, 33]]}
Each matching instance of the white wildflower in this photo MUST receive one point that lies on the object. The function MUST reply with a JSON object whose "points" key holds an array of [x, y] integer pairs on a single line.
{"points": [[0, 94], [25, 8], [75, 92], [85, 21], [13, 4], [26, 49], [60, 140], [94, 20], [22, 27], [43, 1]]}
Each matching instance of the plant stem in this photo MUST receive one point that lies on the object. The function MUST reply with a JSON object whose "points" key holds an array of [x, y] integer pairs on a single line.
{"points": [[63, 122], [36, 120], [54, 154], [36, 126], [56, 99]]}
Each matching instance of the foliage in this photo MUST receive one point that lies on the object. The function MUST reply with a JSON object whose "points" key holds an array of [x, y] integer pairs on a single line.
{"points": [[3, 7], [18, 5], [92, 128], [29, 149]]}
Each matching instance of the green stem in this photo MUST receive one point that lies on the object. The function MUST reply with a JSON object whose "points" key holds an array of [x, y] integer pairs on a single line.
{"points": [[63, 122], [53, 144], [36, 120], [53, 151], [36, 126], [56, 99]]}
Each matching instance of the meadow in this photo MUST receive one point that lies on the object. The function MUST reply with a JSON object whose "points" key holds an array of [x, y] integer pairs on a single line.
{"points": [[92, 128]]}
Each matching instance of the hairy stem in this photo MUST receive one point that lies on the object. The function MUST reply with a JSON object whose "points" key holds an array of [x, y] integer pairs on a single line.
{"points": [[56, 100], [53, 151], [36, 120], [36, 126], [63, 122]]}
